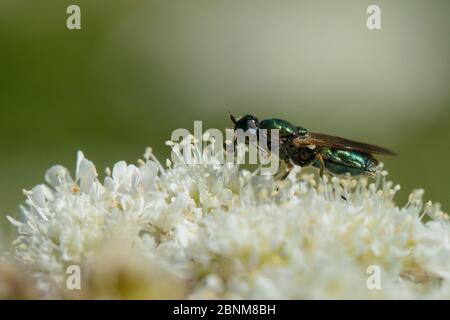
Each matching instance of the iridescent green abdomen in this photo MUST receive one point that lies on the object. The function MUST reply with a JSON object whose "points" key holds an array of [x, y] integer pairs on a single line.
{"points": [[342, 161], [286, 128]]}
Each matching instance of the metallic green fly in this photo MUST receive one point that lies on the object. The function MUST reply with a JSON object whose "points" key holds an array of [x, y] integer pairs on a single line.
{"points": [[298, 146]]}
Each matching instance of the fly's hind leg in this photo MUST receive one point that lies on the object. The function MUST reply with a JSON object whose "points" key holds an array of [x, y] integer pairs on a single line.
{"points": [[322, 164]]}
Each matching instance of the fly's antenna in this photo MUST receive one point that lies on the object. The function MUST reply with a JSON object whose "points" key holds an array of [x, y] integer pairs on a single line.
{"points": [[232, 118]]}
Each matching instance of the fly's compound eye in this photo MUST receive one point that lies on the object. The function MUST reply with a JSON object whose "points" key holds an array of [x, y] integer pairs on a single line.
{"points": [[246, 123], [252, 127], [252, 124]]}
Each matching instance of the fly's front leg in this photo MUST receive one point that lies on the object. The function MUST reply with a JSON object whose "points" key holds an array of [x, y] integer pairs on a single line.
{"points": [[289, 168], [284, 170]]}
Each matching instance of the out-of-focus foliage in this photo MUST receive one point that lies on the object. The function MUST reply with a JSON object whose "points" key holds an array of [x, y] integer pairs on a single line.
{"points": [[138, 70]]}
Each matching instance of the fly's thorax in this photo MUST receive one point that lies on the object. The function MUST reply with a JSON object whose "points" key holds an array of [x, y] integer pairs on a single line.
{"points": [[292, 153], [285, 128]]}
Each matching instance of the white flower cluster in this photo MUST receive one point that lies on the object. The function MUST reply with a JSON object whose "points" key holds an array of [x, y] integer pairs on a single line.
{"points": [[215, 231]]}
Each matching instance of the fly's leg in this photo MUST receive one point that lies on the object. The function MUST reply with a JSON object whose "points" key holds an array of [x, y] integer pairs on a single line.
{"points": [[322, 163], [284, 170], [289, 168]]}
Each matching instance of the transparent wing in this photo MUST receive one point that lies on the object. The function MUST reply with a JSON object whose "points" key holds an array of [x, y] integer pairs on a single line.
{"points": [[324, 140]]}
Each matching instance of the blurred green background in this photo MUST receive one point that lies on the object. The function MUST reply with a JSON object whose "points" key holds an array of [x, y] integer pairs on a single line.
{"points": [[139, 69]]}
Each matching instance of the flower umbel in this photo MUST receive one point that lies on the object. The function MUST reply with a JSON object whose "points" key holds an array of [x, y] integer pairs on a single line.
{"points": [[216, 231]]}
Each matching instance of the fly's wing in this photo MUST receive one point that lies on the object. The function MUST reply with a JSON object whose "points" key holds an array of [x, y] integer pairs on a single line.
{"points": [[324, 140]]}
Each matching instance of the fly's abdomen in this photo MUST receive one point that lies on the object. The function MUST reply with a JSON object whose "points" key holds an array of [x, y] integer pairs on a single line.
{"points": [[341, 162]]}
